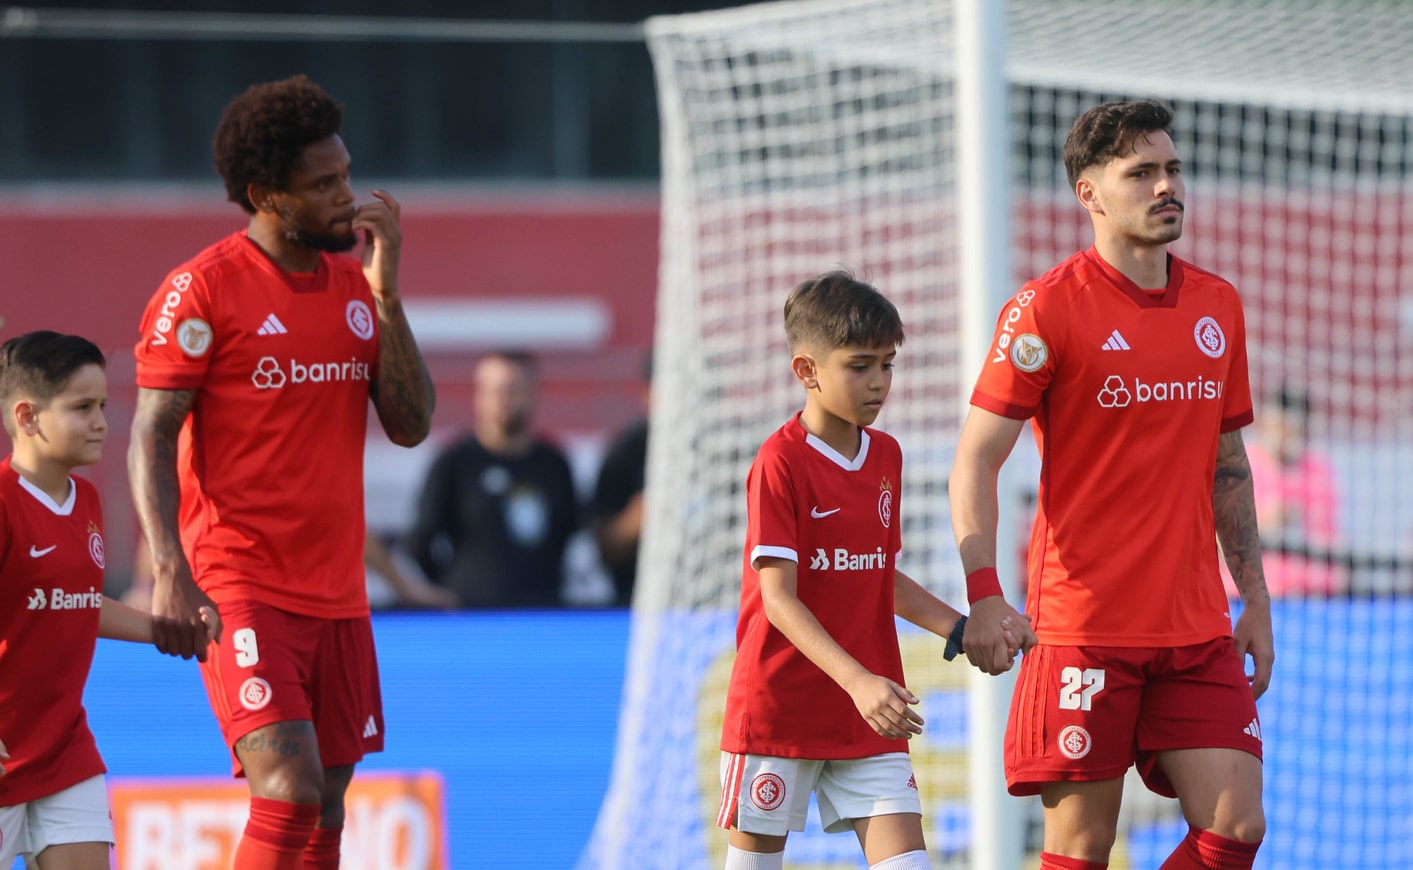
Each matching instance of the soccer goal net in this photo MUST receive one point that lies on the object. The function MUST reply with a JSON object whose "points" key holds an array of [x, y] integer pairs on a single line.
{"points": [[804, 136]]}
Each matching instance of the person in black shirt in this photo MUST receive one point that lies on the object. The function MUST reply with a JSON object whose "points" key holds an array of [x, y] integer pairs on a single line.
{"points": [[499, 505], [618, 502]]}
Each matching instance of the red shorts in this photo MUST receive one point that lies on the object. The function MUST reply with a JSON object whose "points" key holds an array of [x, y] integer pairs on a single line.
{"points": [[275, 666], [1082, 713]]}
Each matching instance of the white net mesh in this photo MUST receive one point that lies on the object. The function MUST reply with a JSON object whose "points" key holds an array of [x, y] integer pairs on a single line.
{"points": [[803, 136]]}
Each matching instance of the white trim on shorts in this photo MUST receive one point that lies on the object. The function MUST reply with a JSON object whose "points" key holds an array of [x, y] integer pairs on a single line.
{"points": [[767, 795], [78, 814]]}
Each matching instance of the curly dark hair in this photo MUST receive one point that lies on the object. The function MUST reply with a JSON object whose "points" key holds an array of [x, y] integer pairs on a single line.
{"points": [[264, 131], [1108, 130]]}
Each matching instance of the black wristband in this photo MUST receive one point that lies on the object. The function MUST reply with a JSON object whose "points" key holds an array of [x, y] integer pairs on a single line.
{"points": [[954, 640]]}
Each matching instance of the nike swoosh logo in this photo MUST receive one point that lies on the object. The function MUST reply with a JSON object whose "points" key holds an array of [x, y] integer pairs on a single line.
{"points": [[819, 514], [36, 552]]}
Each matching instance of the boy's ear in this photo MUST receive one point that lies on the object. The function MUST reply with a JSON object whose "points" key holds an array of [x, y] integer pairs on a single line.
{"points": [[804, 369], [25, 415]]}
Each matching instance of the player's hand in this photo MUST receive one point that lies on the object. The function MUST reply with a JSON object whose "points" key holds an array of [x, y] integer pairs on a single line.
{"points": [[379, 222], [994, 633], [1253, 637], [4, 757], [430, 596], [886, 707], [178, 626]]}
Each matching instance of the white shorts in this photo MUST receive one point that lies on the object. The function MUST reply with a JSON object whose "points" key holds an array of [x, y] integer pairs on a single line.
{"points": [[78, 814], [762, 794]]}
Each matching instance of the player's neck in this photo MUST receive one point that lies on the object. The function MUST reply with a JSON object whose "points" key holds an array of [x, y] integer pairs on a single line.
{"points": [[269, 237], [1144, 265], [46, 475], [840, 434]]}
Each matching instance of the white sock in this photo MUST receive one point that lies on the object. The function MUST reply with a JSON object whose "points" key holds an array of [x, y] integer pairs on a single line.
{"points": [[916, 860], [740, 859]]}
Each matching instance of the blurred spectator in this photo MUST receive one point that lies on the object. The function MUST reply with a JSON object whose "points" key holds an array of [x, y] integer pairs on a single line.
{"points": [[499, 505], [1297, 502], [618, 501]]}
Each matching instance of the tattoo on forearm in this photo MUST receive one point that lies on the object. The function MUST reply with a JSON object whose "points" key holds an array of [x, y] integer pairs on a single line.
{"points": [[1234, 510], [402, 393], [152, 460]]}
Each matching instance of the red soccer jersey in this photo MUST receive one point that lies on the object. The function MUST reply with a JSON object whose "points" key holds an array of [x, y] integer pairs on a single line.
{"points": [[51, 592], [271, 457], [838, 519], [1130, 391]]}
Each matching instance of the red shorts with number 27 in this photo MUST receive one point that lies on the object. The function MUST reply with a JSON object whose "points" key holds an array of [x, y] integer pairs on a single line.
{"points": [[1089, 712]]}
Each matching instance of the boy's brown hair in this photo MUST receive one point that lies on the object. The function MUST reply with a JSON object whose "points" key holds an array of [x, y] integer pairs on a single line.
{"points": [[835, 310]]}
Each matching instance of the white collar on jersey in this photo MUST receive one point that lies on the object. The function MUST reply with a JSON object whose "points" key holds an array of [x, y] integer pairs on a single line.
{"points": [[62, 510], [836, 457]]}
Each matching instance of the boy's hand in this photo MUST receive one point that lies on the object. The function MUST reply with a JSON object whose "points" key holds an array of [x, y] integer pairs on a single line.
{"points": [[212, 621], [4, 756], [885, 706]]}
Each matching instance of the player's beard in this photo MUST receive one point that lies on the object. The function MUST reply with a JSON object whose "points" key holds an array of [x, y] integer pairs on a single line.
{"points": [[300, 235], [1167, 232]]}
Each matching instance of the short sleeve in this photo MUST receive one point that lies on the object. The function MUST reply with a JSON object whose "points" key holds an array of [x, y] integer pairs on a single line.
{"points": [[177, 337], [770, 508], [1021, 361], [1236, 401]]}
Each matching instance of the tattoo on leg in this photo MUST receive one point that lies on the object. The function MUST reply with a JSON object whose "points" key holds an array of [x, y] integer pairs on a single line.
{"points": [[283, 740]]}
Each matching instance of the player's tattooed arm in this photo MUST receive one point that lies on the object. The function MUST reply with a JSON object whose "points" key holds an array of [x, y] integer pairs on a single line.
{"points": [[152, 464], [1234, 509], [178, 627], [403, 391]]}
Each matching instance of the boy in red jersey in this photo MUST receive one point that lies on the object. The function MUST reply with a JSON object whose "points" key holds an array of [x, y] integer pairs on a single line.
{"points": [[53, 799], [256, 363], [816, 701], [1133, 364]]}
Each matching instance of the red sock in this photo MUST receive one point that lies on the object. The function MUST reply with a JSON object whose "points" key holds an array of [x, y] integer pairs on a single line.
{"points": [[322, 852], [1204, 850], [1060, 862], [275, 835]]}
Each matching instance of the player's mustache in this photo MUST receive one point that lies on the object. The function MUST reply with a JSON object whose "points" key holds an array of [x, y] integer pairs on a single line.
{"points": [[1170, 201]]}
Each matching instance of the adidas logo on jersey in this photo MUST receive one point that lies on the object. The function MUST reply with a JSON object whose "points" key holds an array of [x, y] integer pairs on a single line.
{"points": [[371, 729], [1253, 730], [271, 326], [1115, 342]]}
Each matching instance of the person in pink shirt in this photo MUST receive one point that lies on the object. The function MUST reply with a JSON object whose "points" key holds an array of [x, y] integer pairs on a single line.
{"points": [[1297, 501]]}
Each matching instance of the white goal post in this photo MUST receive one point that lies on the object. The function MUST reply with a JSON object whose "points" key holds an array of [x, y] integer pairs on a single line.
{"points": [[802, 136]]}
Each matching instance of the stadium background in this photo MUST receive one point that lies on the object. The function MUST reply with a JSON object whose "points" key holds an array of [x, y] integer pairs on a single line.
{"points": [[527, 171]]}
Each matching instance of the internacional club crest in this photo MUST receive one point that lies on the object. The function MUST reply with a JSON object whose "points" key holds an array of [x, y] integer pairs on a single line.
{"points": [[768, 791], [1210, 338], [359, 319], [1075, 742], [885, 502], [95, 544]]}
